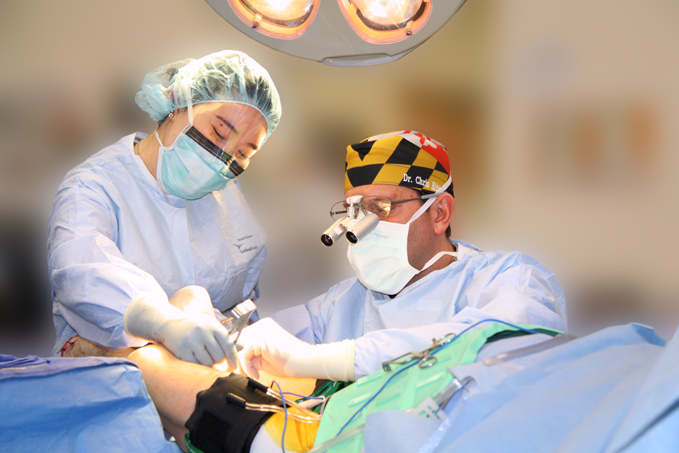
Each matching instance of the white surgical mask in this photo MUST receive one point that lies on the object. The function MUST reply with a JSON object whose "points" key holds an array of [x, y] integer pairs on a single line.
{"points": [[381, 258]]}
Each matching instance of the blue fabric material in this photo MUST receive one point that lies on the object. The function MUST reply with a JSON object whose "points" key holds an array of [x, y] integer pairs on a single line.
{"points": [[511, 287], [402, 441], [33, 366], [115, 236], [77, 405], [612, 390]]}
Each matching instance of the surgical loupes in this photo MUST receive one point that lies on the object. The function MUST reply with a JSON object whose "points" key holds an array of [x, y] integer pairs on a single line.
{"points": [[356, 224]]}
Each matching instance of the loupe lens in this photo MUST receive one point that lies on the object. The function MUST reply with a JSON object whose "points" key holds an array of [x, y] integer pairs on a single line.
{"points": [[336, 230], [362, 228]]}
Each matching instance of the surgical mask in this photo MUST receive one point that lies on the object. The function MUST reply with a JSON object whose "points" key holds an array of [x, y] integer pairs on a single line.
{"points": [[381, 258], [193, 166]]}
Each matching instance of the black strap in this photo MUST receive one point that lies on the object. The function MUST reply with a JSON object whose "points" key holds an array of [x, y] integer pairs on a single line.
{"points": [[218, 425]]}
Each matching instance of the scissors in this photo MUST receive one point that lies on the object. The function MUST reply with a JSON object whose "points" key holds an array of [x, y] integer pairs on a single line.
{"points": [[425, 356], [240, 315]]}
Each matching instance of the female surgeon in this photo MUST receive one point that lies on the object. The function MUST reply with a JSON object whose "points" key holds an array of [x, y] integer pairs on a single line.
{"points": [[152, 224]]}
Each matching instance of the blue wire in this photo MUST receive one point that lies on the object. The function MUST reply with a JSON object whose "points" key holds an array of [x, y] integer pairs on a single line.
{"points": [[285, 413], [416, 362], [375, 395], [304, 396]]}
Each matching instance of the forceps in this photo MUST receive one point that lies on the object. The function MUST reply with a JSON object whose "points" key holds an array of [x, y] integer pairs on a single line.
{"points": [[240, 315], [425, 357]]}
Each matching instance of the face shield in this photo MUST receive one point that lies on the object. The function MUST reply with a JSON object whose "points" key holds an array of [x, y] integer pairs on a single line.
{"points": [[214, 147]]}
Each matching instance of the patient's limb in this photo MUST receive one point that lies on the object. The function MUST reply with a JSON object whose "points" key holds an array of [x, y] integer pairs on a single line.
{"points": [[190, 299], [173, 385], [77, 346]]}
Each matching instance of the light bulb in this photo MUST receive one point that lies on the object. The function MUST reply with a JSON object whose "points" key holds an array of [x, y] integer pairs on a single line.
{"points": [[388, 11], [281, 9]]}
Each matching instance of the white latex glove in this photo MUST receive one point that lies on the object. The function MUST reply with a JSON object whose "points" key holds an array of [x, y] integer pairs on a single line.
{"points": [[197, 338], [269, 347]]}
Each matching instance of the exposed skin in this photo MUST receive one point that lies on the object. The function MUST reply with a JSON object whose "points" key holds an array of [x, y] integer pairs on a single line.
{"points": [[427, 234], [237, 128], [173, 385]]}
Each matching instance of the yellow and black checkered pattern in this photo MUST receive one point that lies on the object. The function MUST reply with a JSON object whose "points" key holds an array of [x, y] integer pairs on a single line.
{"points": [[396, 161]]}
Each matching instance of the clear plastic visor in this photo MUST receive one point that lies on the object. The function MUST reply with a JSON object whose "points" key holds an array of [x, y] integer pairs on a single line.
{"points": [[229, 131]]}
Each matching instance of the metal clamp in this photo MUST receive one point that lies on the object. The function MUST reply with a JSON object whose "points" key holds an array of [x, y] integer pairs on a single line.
{"points": [[425, 356]]}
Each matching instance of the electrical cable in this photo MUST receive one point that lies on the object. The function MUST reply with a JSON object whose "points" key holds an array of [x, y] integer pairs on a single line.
{"points": [[304, 396], [285, 413], [308, 402]]}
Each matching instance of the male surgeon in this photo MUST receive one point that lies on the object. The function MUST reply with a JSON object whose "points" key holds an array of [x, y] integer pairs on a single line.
{"points": [[413, 283]]}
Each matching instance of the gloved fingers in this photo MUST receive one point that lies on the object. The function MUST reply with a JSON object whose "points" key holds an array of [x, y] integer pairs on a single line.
{"points": [[227, 347], [214, 348], [238, 370], [202, 356], [249, 362], [249, 336], [180, 351], [275, 370]]}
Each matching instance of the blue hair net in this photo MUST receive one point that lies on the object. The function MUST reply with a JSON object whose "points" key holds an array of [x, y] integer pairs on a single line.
{"points": [[226, 76]]}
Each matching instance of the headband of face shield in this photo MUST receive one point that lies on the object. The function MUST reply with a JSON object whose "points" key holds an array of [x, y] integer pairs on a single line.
{"points": [[193, 166]]}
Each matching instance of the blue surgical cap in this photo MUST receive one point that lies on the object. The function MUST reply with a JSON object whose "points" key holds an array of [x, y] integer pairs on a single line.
{"points": [[226, 76]]}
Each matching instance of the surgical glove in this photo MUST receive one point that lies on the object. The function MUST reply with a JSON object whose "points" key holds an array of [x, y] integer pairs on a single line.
{"points": [[197, 338], [269, 347]]}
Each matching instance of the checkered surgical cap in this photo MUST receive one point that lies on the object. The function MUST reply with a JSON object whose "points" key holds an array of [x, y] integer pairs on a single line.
{"points": [[405, 158]]}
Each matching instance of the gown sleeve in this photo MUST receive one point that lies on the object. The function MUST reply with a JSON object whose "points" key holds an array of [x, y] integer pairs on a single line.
{"points": [[298, 321], [92, 283], [519, 295]]}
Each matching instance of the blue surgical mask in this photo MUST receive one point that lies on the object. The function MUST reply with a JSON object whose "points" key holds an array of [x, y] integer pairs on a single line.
{"points": [[193, 166]]}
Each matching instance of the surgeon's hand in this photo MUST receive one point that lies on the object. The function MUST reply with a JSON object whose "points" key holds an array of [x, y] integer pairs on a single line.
{"points": [[197, 338], [269, 347]]}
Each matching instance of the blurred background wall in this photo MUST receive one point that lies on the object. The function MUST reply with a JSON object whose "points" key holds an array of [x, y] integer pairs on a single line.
{"points": [[560, 119]]}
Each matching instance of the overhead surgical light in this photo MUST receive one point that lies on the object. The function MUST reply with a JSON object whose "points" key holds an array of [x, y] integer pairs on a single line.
{"points": [[282, 19], [388, 21], [339, 32]]}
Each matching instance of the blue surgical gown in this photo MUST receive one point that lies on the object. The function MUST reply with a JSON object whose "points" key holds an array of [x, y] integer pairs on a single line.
{"points": [[114, 236], [511, 287]]}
